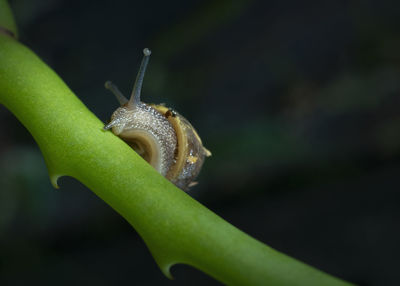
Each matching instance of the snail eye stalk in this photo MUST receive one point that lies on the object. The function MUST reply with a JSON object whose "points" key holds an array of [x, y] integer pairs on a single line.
{"points": [[137, 88], [114, 89]]}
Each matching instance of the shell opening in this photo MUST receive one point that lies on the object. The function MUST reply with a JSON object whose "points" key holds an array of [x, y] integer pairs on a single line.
{"points": [[145, 145]]}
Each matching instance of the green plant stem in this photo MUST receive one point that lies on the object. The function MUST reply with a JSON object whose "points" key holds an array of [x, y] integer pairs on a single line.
{"points": [[7, 19], [176, 228]]}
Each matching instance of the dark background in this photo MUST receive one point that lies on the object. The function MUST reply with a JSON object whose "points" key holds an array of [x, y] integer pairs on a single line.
{"points": [[297, 100]]}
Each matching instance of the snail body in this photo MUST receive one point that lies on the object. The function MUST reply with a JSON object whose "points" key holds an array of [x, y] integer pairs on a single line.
{"points": [[163, 137]]}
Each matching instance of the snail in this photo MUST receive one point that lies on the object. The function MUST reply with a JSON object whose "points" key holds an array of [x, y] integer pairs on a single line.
{"points": [[160, 135]]}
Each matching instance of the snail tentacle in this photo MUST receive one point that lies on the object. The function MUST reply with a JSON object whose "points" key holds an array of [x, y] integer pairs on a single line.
{"points": [[114, 89], [137, 88]]}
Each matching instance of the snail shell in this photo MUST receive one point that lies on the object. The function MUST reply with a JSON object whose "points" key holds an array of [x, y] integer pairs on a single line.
{"points": [[164, 138]]}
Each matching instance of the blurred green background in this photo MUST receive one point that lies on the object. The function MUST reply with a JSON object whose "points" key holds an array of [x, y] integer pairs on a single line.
{"points": [[297, 100]]}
